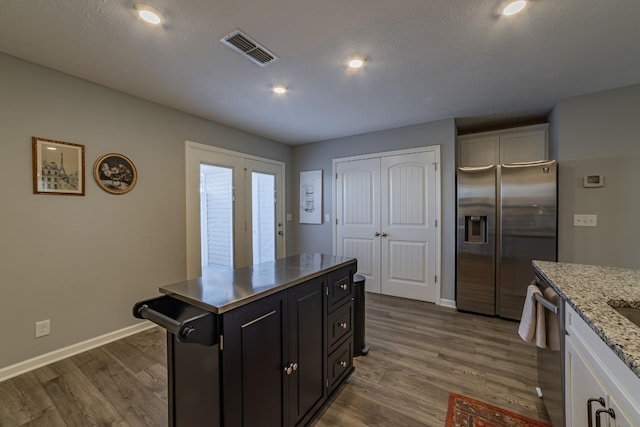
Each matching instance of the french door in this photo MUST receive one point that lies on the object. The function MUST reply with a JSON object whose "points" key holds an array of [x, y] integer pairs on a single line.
{"points": [[235, 209], [387, 211]]}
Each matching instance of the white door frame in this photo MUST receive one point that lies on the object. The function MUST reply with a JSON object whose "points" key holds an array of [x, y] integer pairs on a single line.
{"points": [[194, 152], [438, 200]]}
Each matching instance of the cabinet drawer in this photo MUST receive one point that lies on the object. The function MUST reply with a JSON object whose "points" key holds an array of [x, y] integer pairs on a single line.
{"points": [[340, 324], [340, 362], [339, 287]]}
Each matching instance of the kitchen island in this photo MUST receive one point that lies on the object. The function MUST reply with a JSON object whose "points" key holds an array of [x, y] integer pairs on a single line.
{"points": [[602, 347], [264, 345]]}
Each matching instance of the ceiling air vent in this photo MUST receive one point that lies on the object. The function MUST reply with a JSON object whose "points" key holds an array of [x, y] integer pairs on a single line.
{"points": [[251, 49]]}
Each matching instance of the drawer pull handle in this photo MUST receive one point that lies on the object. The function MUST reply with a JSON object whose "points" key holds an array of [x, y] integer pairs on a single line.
{"points": [[343, 286], [343, 364], [343, 325], [609, 411], [600, 400]]}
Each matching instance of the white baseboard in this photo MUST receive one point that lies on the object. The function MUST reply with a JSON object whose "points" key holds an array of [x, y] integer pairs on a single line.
{"points": [[45, 359], [448, 303]]}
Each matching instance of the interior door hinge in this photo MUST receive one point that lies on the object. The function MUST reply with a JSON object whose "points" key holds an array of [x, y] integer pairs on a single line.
{"points": [[436, 222], [435, 166], [336, 176], [221, 342], [436, 279], [327, 382]]}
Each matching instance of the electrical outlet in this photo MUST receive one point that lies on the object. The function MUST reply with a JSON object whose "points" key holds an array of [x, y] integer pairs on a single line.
{"points": [[43, 328], [585, 220]]}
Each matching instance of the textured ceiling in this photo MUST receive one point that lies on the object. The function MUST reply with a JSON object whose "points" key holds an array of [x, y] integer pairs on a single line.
{"points": [[426, 59]]}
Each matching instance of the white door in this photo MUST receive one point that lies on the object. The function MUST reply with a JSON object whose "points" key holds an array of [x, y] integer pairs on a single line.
{"points": [[266, 215], [358, 214], [222, 205], [408, 226], [386, 213]]}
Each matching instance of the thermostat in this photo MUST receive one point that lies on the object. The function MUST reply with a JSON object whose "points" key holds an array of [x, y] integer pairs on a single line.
{"points": [[593, 181]]}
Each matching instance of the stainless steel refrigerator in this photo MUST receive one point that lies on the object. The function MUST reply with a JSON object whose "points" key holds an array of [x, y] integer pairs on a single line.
{"points": [[506, 218]]}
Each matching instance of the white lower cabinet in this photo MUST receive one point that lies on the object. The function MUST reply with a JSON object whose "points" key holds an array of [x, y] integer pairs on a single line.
{"points": [[600, 389]]}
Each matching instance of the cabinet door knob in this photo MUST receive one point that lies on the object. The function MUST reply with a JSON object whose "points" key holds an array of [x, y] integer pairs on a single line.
{"points": [[600, 400], [343, 286], [343, 364], [384, 234], [343, 325], [295, 366], [288, 369]]}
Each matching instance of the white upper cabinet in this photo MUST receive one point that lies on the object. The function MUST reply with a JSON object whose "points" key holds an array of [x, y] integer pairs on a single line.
{"points": [[523, 144]]}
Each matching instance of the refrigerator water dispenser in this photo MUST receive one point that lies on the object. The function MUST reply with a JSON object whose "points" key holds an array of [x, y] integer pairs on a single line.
{"points": [[475, 229]]}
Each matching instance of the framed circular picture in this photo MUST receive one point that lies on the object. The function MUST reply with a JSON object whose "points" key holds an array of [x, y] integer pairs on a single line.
{"points": [[115, 173]]}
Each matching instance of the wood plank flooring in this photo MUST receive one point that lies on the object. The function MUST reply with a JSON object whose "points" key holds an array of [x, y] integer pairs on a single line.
{"points": [[419, 353]]}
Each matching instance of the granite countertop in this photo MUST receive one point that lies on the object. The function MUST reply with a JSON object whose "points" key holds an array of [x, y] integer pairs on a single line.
{"points": [[219, 291], [588, 289]]}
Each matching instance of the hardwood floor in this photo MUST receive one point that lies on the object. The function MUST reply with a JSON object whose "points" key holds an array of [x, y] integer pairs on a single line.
{"points": [[419, 353]]}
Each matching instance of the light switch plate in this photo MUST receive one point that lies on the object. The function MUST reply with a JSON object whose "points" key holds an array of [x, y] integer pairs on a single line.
{"points": [[585, 220]]}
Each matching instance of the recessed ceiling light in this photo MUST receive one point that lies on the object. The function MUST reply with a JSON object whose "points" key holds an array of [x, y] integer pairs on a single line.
{"points": [[356, 63], [514, 7], [149, 14], [280, 89]]}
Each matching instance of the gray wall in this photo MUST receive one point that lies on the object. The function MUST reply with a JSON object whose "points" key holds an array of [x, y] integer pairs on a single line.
{"points": [[83, 261], [597, 134], [318, 238]]}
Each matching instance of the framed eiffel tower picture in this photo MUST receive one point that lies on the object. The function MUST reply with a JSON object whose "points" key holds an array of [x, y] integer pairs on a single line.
{"points": [[58, 167]]}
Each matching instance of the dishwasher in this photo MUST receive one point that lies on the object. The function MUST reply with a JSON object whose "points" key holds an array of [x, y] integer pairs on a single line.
{"points": [[550, 360]]}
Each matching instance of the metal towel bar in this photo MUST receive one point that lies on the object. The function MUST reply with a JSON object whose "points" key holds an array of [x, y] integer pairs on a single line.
{"points": [[546, 304]]}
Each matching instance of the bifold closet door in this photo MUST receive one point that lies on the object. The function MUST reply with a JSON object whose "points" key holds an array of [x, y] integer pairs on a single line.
{"points": [[358, 217], [408, 225], [386, 213]]}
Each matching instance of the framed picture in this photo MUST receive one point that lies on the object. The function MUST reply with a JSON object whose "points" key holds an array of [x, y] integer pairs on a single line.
{"points": [[58, 167], [115, 173], [311, 197]]}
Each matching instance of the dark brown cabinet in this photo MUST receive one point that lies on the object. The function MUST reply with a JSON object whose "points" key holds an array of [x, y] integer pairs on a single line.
{"points": [[339, 326], [264, 345], [272, 358]]}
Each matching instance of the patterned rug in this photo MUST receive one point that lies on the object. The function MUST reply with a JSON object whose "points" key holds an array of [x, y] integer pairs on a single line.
{"points": [[466, 412]]}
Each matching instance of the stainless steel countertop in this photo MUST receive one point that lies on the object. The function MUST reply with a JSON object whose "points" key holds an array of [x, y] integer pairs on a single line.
{"points": [[219, 291], [588, 289]]}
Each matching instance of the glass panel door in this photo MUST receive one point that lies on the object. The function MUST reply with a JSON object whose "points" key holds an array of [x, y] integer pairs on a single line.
{"points": [[216, 216], [263, 213], [265, 210]]}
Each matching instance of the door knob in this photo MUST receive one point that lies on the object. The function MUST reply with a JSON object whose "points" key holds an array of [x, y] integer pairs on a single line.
{"points": [[384, 234], [343, 364], [377, 234], [280, 233]]}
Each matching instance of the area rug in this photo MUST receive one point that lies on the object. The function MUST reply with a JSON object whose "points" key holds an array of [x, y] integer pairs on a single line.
{"points": [[467, 412]]}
